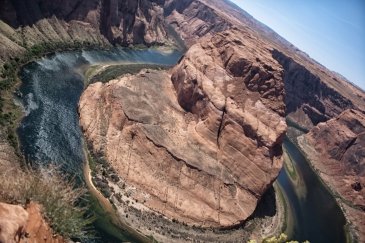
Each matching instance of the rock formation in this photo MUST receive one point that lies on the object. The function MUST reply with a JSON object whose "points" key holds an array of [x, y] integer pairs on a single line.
{"points": [[313, 93], [205, 154], [13, 220], [25, 225], [336, 149], [26, 23]]}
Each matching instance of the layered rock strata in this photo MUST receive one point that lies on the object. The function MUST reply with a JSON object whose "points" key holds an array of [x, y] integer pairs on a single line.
{"points": [[24, 24], [27, 23], [313, 93], [336, 149], [203, 148]]}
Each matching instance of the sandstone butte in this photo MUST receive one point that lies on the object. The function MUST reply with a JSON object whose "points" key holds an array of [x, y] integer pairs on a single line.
{"points": [[336, 149], [198, 145], [215, 121]]}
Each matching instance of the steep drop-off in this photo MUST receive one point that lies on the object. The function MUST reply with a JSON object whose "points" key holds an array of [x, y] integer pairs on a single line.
{"points": [[336, 149], [312, 93], [217, 122], [25, 225]]}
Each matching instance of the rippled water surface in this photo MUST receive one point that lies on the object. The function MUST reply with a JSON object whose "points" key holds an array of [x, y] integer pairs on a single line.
{"points": [[51, 89], [315, 214]]}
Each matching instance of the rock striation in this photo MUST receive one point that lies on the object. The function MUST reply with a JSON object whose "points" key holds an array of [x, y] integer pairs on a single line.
{"points": [[24, 24], [233, 88], [336, 149], [313, 93], [203, 148]]}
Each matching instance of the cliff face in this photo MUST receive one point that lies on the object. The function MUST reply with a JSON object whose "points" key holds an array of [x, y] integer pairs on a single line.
{"points": [[130, 21], [336, 149], [313, 94], [309, 100], [194, 19], [26, 23]]}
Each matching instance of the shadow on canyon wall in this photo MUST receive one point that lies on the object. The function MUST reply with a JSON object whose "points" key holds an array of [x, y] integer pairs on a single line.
{"points": [[109, 16]]}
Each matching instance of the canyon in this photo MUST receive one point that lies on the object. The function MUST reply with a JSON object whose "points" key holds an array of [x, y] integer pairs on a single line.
{"points": [[201, 143], [336, 150]]}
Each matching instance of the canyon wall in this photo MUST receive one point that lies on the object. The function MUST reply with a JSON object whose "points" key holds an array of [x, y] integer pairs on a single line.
{"points": [[24, 24], [336, 149], [313, 93]]}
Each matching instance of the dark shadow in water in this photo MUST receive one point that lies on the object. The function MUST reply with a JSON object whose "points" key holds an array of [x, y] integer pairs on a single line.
{"points": [[267, 205], [318, 217]]}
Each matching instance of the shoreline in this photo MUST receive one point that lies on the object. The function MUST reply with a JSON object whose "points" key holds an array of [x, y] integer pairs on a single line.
{"points": [[350, 232], [350, 237], [11, 95], [105, 203]]}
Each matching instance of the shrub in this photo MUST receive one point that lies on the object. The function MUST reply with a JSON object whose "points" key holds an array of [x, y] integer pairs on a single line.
{"points": [[282, 238], [57, 195]]}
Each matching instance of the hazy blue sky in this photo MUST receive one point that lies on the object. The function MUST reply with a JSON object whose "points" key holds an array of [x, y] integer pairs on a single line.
{"points": [[330, 31]]}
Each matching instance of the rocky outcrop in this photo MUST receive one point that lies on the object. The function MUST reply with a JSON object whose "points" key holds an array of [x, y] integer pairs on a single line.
{"points": [[205, 154], [13, 220], [133, 22], [233, 88], [25, 225], [38, 229], [336, 150], [228, 64], [194, 19]]}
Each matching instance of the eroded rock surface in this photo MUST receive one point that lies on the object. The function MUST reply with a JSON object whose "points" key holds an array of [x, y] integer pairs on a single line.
{"points": [[24, 24], [38, 229], [201, 148], [25, 225], [336, 149], [313, 93], [13, 220]]}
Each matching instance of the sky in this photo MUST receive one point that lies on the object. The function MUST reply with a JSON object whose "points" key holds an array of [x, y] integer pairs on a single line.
{"points": [[331, 31]]}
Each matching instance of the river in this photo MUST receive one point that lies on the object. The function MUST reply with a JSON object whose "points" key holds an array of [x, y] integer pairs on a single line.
{"points": [[50, 133], [314, 212]]}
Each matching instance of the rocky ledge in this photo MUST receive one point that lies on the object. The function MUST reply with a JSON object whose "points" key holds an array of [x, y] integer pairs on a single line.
{"points": [[200, 146], [25, 225], [336, 149]]}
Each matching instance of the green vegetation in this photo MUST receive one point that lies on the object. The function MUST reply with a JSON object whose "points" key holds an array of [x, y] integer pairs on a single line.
{"points": [[58, 196], [100, 74], [292, 123], [282, 238]]}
